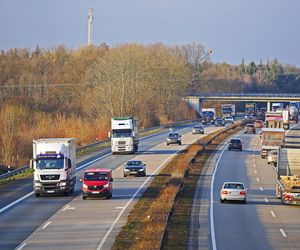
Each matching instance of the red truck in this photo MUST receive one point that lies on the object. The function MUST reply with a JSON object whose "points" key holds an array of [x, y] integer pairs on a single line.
{"points": [[97, 182]]}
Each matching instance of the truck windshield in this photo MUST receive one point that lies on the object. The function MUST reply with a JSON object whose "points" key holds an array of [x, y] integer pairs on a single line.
{"points": [[119, 133], [95, 176], [50, 163]]}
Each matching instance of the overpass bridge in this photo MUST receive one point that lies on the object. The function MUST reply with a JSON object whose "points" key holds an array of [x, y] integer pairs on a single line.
{"points": [[196, 99]]}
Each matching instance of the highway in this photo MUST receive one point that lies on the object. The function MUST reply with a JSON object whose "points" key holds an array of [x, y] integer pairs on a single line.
{"points": [[71, 223], [262, 223]]}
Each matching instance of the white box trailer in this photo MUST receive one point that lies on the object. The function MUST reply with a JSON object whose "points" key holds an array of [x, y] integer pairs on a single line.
{"points": [[288, 175], [54, 164]]}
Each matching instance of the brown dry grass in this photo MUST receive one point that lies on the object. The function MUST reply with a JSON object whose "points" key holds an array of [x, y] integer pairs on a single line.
{"points": [[148, 219]]}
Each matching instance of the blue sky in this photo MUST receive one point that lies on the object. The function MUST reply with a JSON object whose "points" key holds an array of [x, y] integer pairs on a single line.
{"points": [[233, 29]]}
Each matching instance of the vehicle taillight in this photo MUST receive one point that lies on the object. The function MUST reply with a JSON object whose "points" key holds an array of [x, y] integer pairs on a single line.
{"points": [[287, 196], [224, 192], [242, 193]]}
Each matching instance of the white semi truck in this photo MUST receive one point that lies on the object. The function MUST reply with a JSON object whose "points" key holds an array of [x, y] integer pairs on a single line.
{"points": [[288, 175], [124, 135], [228, 110], [54, 164]]}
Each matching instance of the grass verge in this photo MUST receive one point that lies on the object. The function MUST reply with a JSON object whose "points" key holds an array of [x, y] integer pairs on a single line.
{"points": [[147, 220]]}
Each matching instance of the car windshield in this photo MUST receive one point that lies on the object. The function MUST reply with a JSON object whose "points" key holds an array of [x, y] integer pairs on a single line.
{"points": [[173, 135], [197, 127], [50, 163], [95, 176], [133, 163], [249, 125], [235, 141], [234, 186]]}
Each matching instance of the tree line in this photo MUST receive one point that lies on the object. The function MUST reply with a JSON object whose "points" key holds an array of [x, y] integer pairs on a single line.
{"points": [[59, 92]]}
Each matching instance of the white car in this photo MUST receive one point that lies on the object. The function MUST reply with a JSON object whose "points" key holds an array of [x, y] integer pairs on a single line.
{"points": [[229, 119], [233, 191]]}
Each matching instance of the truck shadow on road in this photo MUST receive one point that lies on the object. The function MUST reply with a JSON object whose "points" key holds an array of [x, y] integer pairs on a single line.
{"points": [[159, 152]]}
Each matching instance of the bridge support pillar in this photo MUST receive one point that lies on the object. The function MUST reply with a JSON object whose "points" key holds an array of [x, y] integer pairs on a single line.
{"points": [[268, 106], [196, 104]]}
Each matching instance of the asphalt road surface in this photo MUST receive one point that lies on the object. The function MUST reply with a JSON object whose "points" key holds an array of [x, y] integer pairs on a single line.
{"points": [[262, 223], [58, 222]]}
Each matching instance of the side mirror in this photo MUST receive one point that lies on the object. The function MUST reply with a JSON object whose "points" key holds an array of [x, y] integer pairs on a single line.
{"points": [[133, 134], [144, 164], [246, 189], [69, 163], [31, 164], [111, 180], [109, 135], [80, 179]]}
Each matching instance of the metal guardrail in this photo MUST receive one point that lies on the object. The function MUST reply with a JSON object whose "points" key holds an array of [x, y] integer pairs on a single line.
{"points": [[217, 94], [88, 147]]}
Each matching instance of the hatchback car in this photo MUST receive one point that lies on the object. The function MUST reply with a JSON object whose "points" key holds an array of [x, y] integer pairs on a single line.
{"points": [[174, 138], [233, 191], [249, 128], [235, 143], [198, 130], [134, 167], [219, 122], [229, 119]]}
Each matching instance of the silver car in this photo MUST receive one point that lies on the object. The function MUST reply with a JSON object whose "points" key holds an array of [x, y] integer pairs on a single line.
{"points": [[234, 191], [272, 157], [198, 130]]}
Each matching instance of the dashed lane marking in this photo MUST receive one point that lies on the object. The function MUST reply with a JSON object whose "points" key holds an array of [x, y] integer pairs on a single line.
{"points": [[46, 225], [283, 233], [273, 214], [266, 200], [261, 189]]}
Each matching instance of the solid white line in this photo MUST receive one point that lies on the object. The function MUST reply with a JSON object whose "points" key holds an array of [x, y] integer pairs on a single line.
{"points": [[15, 202], [258, 180], [261, 189], [273, 214], [46, 225], [131, 199], [266, 200], [119, 207], [283, 233], [212, 223], [21, 246], [253, 160]]}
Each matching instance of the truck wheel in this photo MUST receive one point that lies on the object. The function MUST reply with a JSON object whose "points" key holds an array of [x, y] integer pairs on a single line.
{"points": [[37, 194], [84, 197], [125, 175], [179, 143], [108, 196], [222, 201]]}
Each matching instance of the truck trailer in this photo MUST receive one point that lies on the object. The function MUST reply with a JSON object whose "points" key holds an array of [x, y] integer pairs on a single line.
{"points": [[124, 135], [271, 139], [54, 164], [288, 175]]}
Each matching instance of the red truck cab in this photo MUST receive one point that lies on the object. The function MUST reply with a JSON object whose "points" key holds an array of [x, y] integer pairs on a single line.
{"points": [[97, 182]]}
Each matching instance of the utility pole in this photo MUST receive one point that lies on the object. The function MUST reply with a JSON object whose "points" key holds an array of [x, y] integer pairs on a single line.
{"points": [[90, 26]]}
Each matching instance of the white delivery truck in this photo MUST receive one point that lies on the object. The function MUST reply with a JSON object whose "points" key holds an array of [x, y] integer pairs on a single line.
{"points": [[124, 135], [208, 115], [54, 164], [271, 139], [288, 175], [228, 110]]}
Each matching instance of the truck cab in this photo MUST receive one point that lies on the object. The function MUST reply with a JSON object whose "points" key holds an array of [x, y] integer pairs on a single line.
{"points": [[97, 182]]}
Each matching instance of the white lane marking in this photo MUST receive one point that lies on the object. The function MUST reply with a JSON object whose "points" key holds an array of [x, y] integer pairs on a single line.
{"points": [[119, 207], [77, 169], [131, 199], [266, 200], [46, 225], [261, 189], [258, 180], [68, 207], [273, 214], [254, 165], [253, 160], [255, 171], [21, 246], [283, 233], [15, 202], [212, 223]]}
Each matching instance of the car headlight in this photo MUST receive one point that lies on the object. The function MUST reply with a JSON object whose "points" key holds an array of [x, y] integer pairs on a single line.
{"points": [[62, 184], [141, 169], [38, 184], [84, 185], [106, 185]]}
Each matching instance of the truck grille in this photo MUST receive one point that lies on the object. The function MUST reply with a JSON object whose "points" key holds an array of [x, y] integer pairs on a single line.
{"points": [[121, 142], [50, 186], [95, 188], [49, 177]]}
